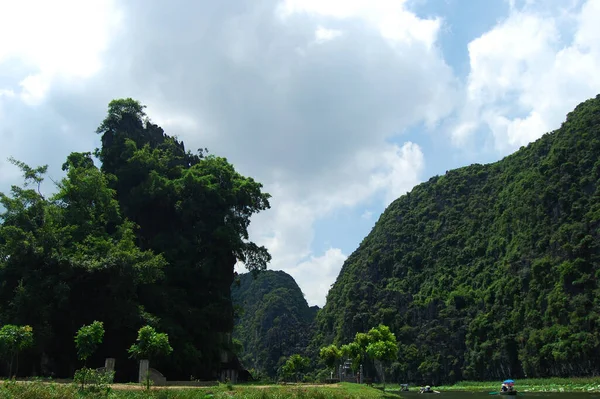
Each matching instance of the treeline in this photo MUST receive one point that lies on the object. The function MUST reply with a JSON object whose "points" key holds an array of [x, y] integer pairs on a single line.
{"points": [[149, 238], [489, 271]]}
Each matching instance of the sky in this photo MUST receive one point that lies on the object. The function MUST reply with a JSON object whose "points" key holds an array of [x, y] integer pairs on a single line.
{"points": [[337, 106]]}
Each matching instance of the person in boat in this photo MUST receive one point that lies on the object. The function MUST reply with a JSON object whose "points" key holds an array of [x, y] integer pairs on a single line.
{"points": [[426, 389], [504, 388]]}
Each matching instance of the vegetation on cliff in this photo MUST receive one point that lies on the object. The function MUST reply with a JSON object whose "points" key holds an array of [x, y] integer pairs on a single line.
{"points": [[488, 271], [274, 320]]}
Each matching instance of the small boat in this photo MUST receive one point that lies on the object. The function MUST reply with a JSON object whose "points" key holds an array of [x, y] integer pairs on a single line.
{"points": [[508, 388], [427, 389]]}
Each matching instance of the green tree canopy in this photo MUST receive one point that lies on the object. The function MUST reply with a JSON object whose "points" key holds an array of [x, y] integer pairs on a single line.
{"points": [[14, 339], [330, 355], [88, 338], [150, 344]]}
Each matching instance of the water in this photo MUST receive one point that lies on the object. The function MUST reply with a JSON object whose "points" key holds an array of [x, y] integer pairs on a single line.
{"points": [[486, 395]]}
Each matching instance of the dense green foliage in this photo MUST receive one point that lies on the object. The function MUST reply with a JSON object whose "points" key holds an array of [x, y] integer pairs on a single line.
{"points": [[150, 344], [14, 339], [151, 238], [88, 338], [489, 271], [274, 321], [294, 367]]}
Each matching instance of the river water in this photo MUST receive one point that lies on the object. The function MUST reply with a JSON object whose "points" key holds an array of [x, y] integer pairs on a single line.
{"points": [[486, 395]]}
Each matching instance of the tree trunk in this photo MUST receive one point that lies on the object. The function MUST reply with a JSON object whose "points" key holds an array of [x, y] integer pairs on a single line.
{"points": [[12, 357], [380, 371]]}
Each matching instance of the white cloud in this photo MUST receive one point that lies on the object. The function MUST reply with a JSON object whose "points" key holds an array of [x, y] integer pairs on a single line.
{"points": [[367, 214], [323, 35], [49, 38], [316, 275], [389, 17], [527, 73], [287, 229], [310, 121]]}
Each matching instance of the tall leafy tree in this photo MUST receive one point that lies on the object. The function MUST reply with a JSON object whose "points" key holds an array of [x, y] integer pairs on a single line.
{"points": [[14, 339], [70, 257], [382, 347]]}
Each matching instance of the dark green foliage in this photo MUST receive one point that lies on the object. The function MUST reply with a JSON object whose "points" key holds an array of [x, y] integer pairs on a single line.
{"points": [[489, 271], [150, 238], [274, 320], [195, 210], [70, 259]]}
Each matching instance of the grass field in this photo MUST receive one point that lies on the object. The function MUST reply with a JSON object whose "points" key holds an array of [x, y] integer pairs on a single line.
{"points": [[52, 390], [45, 390]]}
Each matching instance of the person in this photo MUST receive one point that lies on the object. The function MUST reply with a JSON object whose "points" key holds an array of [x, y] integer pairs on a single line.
{"points": [[504, 388]]}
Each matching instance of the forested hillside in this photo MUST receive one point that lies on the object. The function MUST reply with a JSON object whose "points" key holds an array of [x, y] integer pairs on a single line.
{"points": [[490, 271], [274, 321], [150, 238]]}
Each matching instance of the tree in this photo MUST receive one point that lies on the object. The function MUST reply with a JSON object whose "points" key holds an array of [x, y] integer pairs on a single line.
{"points": [[331, 355], [70, 256], [88, 338], [295, 366], [149, 345], [14, 339], [382, 347]]}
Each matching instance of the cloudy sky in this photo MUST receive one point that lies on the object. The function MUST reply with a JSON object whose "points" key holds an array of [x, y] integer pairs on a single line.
{"points": [[337, 106]]}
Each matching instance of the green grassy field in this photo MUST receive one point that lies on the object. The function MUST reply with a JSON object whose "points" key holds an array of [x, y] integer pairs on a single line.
{"points": [[44, 390], [49, 390]]}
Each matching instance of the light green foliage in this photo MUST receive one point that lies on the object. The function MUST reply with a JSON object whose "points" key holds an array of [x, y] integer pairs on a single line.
{"points": [[150, 344], [14, 339], [330, 355], [379, 344], [355, 352], [382, 344], [88, 338], [295, 365]]}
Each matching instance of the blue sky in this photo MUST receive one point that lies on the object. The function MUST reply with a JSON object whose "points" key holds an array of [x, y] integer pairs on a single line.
{"points": [[337, 106]]}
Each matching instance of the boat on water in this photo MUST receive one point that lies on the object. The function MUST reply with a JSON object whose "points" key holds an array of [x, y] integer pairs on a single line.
{"points": [[508, 388], [427, 389]]}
